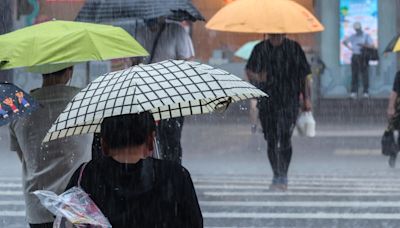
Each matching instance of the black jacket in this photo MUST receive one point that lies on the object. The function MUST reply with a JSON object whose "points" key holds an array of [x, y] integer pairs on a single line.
{"points": [[150, 193]]}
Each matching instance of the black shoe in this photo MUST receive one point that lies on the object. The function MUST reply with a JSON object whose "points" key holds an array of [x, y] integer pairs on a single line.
{"points": [[392, 161]]}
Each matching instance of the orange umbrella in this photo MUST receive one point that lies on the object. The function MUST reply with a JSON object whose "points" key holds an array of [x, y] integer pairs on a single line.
{"points": [[265, 16]]}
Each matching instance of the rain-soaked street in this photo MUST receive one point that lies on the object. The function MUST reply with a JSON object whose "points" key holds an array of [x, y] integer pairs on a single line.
{"points": [[337, 179], [99, 100]]}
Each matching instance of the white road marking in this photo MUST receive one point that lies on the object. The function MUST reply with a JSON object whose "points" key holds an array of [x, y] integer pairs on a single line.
{"points": [[12, 213], [11, 202], [366, 216], [343, 179], [294, 187], [10, 185], [308, 193], [357, 152], [323, 204], [301, 183], [10, 193], [10, 179]]}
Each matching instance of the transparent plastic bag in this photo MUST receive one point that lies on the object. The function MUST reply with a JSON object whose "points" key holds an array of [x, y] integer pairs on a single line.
{"points": [[75, 206], [306, 124]]}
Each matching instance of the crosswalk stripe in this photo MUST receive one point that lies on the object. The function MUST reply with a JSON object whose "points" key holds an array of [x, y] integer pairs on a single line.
{"points": [[366, 216], [10, 185], [332, 179], [13, 202], [12, 213], [288, 193], [303, 182], [354, 204], [10, 179], [10, 193], [294, 187]]}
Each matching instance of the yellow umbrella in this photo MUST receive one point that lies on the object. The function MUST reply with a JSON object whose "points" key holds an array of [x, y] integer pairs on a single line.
{"points": [[265, 16], [394, 45]]}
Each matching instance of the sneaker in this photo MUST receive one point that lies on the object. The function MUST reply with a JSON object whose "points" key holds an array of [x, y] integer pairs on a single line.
{"points": [[365, 95], [392, 161], [353, 95], [253, 129]]}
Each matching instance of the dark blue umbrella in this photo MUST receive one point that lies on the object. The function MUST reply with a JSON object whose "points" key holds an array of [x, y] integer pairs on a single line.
{"points": [[14, 103]]}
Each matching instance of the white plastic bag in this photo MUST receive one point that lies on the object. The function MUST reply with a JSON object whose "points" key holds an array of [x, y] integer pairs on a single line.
{"points": [[306, 124], [75, 206]]}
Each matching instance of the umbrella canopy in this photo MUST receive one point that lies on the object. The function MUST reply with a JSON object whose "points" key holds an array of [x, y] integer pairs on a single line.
{"points": [[57, 44], [244, 51], [100, 11], [394, 45], [14, 103], [264, 16], [167, 89]]}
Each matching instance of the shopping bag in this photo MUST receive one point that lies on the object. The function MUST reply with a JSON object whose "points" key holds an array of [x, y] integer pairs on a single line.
{"points": [[306, 124], [73, 208], [388, 142]]}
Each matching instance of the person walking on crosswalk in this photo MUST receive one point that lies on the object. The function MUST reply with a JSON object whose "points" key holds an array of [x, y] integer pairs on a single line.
{"points": [[280, 66]]}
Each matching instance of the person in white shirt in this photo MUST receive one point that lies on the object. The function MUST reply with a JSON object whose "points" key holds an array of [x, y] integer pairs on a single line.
{"points": [[51, 165], [359, 65]]}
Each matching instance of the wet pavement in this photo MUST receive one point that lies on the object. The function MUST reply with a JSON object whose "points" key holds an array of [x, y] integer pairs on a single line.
{"points": [[337, 179]]}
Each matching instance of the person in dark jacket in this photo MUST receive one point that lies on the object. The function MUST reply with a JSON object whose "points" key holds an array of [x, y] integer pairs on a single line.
{"points": [[393, 112], [132, 189], [279, 67]]}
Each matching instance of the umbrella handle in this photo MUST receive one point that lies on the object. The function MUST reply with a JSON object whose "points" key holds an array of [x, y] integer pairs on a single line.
{"points": [[156, 153]]}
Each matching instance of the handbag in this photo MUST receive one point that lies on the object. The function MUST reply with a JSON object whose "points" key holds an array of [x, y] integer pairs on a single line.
{"points": [[369, 53], [388, 142]]}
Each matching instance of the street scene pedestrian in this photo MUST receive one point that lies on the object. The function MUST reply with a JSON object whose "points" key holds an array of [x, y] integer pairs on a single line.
{"points": [[50, 166], [94, 95], [393, 115], [167, 41], [359, 64], [282, 68], [133, 189]]}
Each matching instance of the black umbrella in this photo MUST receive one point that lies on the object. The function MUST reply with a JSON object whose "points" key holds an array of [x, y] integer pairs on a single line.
{"points": [[109, 11]]}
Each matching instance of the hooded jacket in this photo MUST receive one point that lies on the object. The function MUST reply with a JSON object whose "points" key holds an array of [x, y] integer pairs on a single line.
{"points": [[151, 193]]}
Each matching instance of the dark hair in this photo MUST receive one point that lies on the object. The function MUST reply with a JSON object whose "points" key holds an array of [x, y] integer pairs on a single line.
{"points": [[127, 130], [57, 73]]}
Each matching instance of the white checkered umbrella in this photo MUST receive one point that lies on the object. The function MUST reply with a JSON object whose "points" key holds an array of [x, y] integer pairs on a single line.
{"points": [[168, 89]]}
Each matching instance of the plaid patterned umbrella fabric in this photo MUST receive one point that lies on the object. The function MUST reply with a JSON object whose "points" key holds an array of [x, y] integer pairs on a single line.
{"points": [[168, 89], [108, 11]]}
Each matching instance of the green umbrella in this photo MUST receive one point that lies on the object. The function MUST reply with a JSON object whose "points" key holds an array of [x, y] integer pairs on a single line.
{"points": [[51, 46], [244, 51]]}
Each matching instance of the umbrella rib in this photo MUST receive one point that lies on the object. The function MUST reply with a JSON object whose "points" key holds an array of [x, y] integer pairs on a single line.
{"points": [[183, 84], [108, 95], [94, 45], [134, 91]]}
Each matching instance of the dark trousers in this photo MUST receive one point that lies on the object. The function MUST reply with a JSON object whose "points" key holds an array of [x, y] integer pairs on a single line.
{"points": [[43, 225], [169, 134], [278, 125], [359, 67]]}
